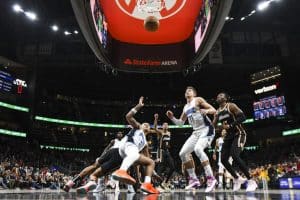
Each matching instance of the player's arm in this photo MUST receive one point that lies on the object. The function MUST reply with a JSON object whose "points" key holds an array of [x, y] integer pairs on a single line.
{"points": [[207, 108], [158, 131], [239, 116], [159, 134], [112, 142], [176, 121], [130, 115]]}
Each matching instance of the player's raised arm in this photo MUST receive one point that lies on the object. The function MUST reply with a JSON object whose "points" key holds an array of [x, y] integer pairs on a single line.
{"points": [[157, 131], [176, 121], [130, 115]]}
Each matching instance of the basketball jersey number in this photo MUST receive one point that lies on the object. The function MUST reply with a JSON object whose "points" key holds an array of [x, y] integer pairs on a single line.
{"points": [[141, 139], [191, 119]]}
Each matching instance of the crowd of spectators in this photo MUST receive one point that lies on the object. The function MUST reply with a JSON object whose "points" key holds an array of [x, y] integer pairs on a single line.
{"points": [[24, 165]]}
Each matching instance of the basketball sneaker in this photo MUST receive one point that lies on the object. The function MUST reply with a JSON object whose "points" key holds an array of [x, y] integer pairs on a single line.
{"points": [[68, 186], [123, 176], [252, 185], [193, 183], [148, 188], [91, 185], [211, 184], [237, 182]]}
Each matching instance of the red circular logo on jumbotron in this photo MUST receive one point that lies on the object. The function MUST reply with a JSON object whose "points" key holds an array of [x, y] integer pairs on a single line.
{"points": [[169, 8]]}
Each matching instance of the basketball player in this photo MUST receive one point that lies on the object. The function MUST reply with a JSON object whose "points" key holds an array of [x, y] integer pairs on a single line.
{"points": [[196, 111], [131, 145], [114, 144], [232, 117], [108, 162], [166, 162], [99, 161], [218, 149]]}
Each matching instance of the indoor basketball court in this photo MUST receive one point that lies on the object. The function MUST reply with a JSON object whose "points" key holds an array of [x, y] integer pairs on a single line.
{"points": [[149, 99]]}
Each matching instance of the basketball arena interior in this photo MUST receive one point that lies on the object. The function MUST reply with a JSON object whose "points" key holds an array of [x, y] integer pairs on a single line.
{"points": [[150, 99]]}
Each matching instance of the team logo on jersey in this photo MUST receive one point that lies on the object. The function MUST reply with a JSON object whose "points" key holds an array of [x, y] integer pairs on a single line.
{"points": [[170, 8]]}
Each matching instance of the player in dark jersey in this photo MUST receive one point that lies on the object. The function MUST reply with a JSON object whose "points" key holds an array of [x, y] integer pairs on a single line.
{"points": [[166, 162], [107, 162], [232, 117]]}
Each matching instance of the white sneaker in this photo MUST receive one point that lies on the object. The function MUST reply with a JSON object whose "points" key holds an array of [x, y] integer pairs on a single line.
{"points": [[160, 189], [98, 189], [193, 183], [252, 185], [237, 182], [130, 189], [211, 184], [91, 185]]}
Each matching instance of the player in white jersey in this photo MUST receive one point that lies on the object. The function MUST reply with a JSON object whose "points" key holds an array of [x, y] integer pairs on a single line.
{"points": [[131, 145], [196, 111]]}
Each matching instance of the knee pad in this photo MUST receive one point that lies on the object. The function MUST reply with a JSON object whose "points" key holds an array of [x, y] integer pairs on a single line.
{"points": [[201, 154]]}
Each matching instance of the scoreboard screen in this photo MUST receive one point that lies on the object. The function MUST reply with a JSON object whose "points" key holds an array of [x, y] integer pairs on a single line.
{"points": [[269, 107], [6, 81]]}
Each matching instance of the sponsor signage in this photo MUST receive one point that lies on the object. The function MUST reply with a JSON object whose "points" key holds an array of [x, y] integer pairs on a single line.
{"points": [[20, 82], [289, 183], [284, 183], [296, 182], [265, 89], [140, 62], [140, 58]]}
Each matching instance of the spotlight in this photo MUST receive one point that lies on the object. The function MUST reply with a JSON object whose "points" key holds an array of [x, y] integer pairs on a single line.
{"points": [[243, 18], [253, 11], [263, 5], [17, 8], [227, 18], [67, 33], [54, 28], [31, 15], [76, 32]]}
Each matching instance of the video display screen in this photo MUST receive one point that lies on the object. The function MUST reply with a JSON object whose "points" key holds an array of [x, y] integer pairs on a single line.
{"points": [[203, 22], [9, 84], [99, 22], [269, 107], [6, 81]]}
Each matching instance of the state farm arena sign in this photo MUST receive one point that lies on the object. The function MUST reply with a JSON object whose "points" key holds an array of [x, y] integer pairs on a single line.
{"points": [[167, 58], [140, 62]]}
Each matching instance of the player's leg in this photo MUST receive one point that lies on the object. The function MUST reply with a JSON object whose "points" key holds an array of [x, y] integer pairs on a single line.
{"points": [[227, 150], [201, 145], [110, 161], [132, 155], [184, 155], [236, 149], [171, 166], [150, 165], [86, 171]]}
